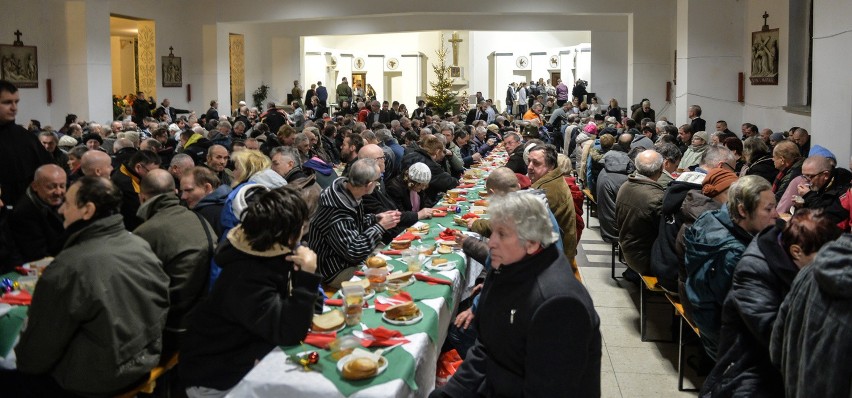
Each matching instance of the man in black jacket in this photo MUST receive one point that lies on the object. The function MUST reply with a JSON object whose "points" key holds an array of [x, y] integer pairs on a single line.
{"points": [[695, 120], [35, 223], [512, 142], [21, 153], [166, 109], [128, 178], [431, 152], [827, 185], [478, 113]]}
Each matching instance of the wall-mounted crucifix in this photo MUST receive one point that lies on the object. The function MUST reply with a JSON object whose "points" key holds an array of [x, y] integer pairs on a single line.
{"points": [[455, 42], [18, 41], [765, 25]]}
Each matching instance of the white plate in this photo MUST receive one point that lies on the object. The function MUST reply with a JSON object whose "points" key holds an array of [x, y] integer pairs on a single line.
{"points": [[383, 363], [366, 297], [403, 323], [410, 281], [449, 265], [389, 266]]}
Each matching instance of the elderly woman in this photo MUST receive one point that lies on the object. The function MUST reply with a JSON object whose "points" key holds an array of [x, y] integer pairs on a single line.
{"points": [[694, 152], [713, 247], [408, 189], [538, 331], [760, 282], [264, 298], [758, 158]]}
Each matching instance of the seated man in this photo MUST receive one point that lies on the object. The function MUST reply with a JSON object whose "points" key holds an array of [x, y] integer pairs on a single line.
{"points": [[617, 166], [637, 211], [545, 174], [342, 233], [205, 194], [127, 178], [35, 223], [186, 259], [96, 322], [827, 184], [431, 153], [512, 142]]}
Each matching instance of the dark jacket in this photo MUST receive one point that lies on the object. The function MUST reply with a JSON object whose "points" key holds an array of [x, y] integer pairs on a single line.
{"points": [[20, 155], [36, 228], [538, 334], [714, 245], [401, 195], [258, 303], [665, 261], [96, 320], [184, 242], [274, 119], [212, 114], [698, 124], [378, 202], [781, 182], [637, 214], [210, 207], [516, 161], [818, 312], [763, 167], [198, 150], [761, 281], [441, 180], [828, 198], [617, 166], [474, 115], [124, 178]]}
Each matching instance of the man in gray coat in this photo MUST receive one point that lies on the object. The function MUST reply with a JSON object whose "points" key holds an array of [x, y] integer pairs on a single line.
{"points": [[637, 211]]}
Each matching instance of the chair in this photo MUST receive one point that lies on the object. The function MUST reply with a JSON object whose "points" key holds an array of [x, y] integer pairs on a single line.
{"points": [[591, 203], [148, 386], [649, 283], [616, 250], [681, 354]]}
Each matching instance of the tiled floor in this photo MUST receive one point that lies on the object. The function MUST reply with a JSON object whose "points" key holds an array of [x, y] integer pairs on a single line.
{"points": [[629, 367]]}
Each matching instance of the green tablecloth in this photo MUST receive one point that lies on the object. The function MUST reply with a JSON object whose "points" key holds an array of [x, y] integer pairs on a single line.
{"points": [[12, 322]]}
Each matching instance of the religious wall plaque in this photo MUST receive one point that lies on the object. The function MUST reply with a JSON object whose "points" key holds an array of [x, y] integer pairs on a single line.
{"points": [[392, 64], [358, 63], [554, 62], [19, 63], [522, 62], [764, 56], [172, 70]]}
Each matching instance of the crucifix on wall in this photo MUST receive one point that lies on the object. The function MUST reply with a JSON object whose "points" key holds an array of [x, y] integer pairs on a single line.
{"points": [[455, 42]]}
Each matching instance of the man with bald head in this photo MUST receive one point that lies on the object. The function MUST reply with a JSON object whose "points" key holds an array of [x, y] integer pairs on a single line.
{"points": [[823, 186], [97, 164], [35, 223], [185, 260], [379, 201], [638, 207]]}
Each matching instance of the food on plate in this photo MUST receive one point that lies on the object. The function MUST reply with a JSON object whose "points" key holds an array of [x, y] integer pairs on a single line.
{"points": [[445, 250], [376, 262], [401, 244], [427, 249], [468, 216], [327, 322], [362, 282], [451, 201], [402, 312], [455, 193], [439, 213], [480, 202], [423, 229], [439, 262], [360, 368], [484, 194], [399, 276]]}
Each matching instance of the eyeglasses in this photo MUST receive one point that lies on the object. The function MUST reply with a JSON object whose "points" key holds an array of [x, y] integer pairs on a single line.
{"points": [[808, 177]]}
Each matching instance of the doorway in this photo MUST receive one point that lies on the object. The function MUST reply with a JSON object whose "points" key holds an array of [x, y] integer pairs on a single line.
{"points": [[132, 43], [554, 77], [359, 81]]}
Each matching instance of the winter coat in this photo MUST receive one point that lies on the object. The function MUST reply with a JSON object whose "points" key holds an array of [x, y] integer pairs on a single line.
{"points": [[538, 334], [516, 161], [617, 166], [714, 245], [761, 281], [562, 205], [763, 167], [810, 339], [378, 202], [780, 183], [35, 227], [441, 180], [258, 303], [637, 215], [97, 317], [665, 261], [692, 156], [398, 191], [184, 242], [20, 155], [128, 183], [210, 207]]}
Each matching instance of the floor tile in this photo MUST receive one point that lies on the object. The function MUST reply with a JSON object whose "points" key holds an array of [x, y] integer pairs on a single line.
{"points": [[609, 386], [601, 247], [649, 385], [650, 359]]}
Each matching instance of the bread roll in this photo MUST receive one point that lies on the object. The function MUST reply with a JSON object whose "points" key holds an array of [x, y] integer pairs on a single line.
{"points": [[376, 262], [360, 368], [404, 310], [400, 244], [327, 322]]}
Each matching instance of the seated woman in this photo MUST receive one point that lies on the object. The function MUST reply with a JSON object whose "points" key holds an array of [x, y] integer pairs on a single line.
{"points": [[761, 281], [694, 152], [538, 330], [431, 153], [407, 189], [264, 297]]}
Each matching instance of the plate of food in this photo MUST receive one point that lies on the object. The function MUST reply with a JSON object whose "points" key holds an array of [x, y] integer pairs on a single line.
{"points": [[403, 314], [400, 244], [377, 262], [439, 213], [364, 283], [360, 365], [402, 276], [419, 228], [447, 246], [329, 322], [441, 264], [477, 210]]}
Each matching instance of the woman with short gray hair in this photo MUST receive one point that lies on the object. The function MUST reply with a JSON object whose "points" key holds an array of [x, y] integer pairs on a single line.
{"points": [[539, 334]]}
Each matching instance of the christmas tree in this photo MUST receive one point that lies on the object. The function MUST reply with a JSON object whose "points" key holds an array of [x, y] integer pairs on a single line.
{"points": [[444, 99]]}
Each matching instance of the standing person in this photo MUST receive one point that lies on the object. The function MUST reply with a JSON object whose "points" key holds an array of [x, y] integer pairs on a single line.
{"points": [[538, 330], [322, 96], [213, 112], [142, 108], [95, 324], [296, 92], [522, 99], [308, 95], [695, 120], [511, 95], [344, 92], [561, 93], [21, 152]]}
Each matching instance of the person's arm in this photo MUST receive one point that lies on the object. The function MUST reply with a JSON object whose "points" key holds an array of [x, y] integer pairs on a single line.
{"points": [[351, 245], [475, 249], [786, 201], [563, 346]]}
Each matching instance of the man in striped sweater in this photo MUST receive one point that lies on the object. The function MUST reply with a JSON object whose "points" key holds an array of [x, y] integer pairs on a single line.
{"points": [[341, 233]]}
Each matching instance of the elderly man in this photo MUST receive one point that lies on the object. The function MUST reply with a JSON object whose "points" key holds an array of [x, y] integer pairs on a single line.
{"points": [[179, 165], [695, 120], [35, 224], [637, 212], [823, 186], [512, 142], [545, 174], [285, 162], [50, 142], [802, 139], [643, 112], [97, 164], [217, 160], [205, 194], [97, 317], [186, 260], [128, 179], [342, 233], [671, 158]]}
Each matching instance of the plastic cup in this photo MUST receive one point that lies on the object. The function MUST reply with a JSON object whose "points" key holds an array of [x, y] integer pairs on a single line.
{"points": [[377, 278]]}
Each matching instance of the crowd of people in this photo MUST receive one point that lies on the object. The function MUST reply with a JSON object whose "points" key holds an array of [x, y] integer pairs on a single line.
{"points": [[239, 222]]}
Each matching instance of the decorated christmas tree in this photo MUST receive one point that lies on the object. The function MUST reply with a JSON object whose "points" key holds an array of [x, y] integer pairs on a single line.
{"points": [[443, 98]]}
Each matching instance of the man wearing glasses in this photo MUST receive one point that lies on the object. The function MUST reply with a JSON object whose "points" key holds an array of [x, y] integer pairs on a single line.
{"points": [[823, 185]]}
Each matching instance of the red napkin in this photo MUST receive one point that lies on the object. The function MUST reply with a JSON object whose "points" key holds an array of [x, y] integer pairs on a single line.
{"points": [[442, 208], [383, 337], [407, 236], [334, 302], [320, 340], [392, 252], [432, 280], [447, 234], [22, 297], [463, 186], [439, 213], [402, 296]]}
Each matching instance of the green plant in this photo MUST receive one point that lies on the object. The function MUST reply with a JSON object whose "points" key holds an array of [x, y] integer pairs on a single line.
{"points": [[444, 99], [260, 95]]}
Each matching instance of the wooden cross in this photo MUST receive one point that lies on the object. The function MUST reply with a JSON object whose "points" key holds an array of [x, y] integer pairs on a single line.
{"points": [[765, 25], [18, 41], [171, 51], [455, 42]]}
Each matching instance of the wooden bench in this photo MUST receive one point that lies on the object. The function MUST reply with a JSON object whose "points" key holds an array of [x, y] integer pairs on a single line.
{"points": [[650, 284], [681, 353], [148, 386], [590, 203]]}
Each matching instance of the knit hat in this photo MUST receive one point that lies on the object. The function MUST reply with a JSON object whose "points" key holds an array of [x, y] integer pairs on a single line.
{"points": [[777, 137], [819, 150], [92, 136], [493, 128], [67, 141], [717, 181], [419, 173], [702, 135], [241, 199], [591, 128]]}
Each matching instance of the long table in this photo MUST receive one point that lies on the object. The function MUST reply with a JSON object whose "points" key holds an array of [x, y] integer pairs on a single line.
{"points": [[274, 375]]}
